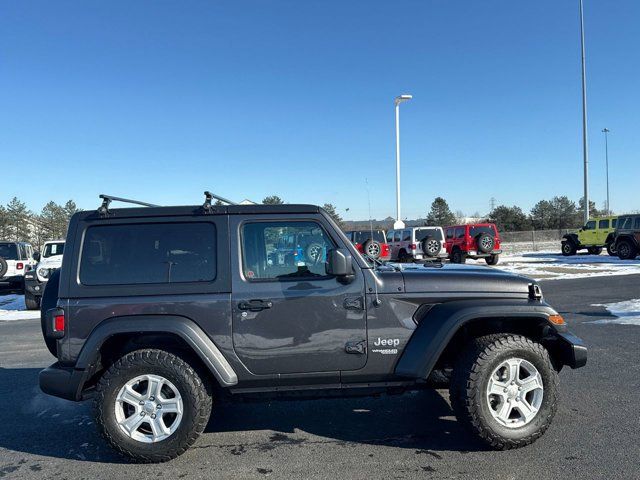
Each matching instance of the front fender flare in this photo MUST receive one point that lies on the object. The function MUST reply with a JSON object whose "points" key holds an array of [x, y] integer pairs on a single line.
{"points": [[183, 327], [441, 323]]}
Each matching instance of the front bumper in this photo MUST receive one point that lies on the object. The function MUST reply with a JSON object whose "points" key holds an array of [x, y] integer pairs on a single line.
{"points": [[63, 382], [572, 350]]}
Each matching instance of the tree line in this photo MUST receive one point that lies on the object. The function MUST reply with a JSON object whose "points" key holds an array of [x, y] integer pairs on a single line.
{"points": [[557, 213], [19, 224]]}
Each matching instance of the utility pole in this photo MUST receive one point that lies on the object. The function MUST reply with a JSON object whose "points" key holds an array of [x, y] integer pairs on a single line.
{"points": [[585, 148], [402, 98], [492, 203], [606, 157]]}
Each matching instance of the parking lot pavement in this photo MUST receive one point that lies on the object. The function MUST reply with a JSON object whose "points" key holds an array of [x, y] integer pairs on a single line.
{"points": [[596, 433]]}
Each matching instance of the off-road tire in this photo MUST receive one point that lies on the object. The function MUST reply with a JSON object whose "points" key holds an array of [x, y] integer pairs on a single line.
{"points": [[626, 250], [195, 390], [404, 257], [313, 252], [469, 382], [457, 256], [3, 267], [568, 248], [492, 259], [594, 250], [611, 249], [431, 247], [31, 301], [369, 249], [485, 243]]}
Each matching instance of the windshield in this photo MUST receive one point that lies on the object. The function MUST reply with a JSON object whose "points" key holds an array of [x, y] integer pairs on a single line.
{"points": [[423, 233], [51, 249], [8, 251], [361, 237]]}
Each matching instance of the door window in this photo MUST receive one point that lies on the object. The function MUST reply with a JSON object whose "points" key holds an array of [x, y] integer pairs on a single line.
{"points": [[449, 233], [591, 225], [460, 232], [397, 235], [284, 250], [603, 224], [390, 236]]}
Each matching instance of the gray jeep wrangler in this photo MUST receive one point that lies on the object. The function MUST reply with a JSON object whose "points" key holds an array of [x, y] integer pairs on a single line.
{"points": [[158, 310]]}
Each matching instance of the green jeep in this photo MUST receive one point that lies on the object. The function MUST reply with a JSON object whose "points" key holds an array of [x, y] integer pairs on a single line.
{"points": [[594, 236]]}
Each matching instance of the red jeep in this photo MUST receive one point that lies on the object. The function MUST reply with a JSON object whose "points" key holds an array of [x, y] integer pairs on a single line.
{"points": [[372, 243], [478, 240]]}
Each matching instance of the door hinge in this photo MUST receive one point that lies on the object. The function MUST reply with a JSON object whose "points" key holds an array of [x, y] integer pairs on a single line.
{"points": [[354, 303]]}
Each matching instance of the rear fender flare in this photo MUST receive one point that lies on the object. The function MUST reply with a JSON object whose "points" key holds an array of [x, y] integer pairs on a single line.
{"points": [[441, 323], [183, 327]]}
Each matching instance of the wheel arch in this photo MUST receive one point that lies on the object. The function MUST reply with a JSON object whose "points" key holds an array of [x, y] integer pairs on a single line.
{"points": [[446, 328], [119, 335], [571, 237]]}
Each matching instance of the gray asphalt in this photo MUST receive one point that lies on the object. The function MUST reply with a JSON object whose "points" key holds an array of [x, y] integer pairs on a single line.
{"points": [[596, 433]]}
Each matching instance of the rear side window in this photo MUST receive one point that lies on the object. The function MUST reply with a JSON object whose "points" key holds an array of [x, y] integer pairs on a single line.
{"points": [[406, 236], [636, 223], [152, 253], [603, 224], [614, 223]]}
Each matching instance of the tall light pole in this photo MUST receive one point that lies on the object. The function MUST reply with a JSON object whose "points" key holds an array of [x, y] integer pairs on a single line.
{"points": [[606, 159], [585, 150], [402, 98]]}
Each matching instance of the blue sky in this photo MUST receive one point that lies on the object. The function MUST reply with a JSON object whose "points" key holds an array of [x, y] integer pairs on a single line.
{"points": [[162, 100]]}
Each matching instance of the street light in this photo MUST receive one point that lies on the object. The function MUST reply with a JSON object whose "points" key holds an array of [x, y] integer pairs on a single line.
{"points": [[606, 156], [402, 98], [585, 151]]}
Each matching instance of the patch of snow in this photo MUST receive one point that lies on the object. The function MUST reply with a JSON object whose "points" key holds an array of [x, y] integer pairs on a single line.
{"points": [[550, 265], [12, 308], [626, 312]]}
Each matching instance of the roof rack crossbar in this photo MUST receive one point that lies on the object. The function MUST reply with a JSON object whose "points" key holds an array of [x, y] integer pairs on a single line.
{"points": [[208, 196], [107, 199]]}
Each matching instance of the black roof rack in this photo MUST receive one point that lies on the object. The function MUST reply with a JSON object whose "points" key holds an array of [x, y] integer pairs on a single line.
{"points": [[107, 199]]}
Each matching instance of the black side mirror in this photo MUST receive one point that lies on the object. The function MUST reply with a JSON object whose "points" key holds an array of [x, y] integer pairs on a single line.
{"points": [[36, 256], [340, 264]]}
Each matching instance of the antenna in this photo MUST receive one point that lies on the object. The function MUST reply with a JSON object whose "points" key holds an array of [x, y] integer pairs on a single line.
{"points": [[376, 302]]}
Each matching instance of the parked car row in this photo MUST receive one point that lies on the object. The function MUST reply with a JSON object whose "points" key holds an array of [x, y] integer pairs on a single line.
{"points": [[620, 235], [23, 269], [457, 243]]}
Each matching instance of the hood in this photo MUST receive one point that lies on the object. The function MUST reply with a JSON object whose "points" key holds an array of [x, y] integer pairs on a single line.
{"points": [[54, 261], [463, 279]]}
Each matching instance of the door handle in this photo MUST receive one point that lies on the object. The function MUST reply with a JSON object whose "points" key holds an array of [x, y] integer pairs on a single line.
{"points": [[255, 305]]}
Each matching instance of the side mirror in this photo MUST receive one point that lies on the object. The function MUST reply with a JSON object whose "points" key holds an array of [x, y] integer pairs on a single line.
{"points": [[340, 264], [36, 256]]}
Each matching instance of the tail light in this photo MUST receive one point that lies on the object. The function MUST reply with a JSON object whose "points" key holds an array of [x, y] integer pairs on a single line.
{"points": [[412, 246], [56, 323], [385, 249], [19, 266]]}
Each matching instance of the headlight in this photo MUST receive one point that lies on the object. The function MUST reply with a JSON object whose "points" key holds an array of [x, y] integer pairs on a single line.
{"points": [[43, 272]]}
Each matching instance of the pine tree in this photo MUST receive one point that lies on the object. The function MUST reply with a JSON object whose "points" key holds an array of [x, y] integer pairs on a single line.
{"points": [[331, 210], [272, 200], [440, 214]]}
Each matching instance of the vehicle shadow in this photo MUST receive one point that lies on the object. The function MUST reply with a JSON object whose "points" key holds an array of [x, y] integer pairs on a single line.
{"points": [[38, 424], [416, 420]]}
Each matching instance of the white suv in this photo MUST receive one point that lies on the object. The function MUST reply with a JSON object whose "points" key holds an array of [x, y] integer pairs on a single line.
{"points": [[416, 243], [36, 280], [16, 258]]}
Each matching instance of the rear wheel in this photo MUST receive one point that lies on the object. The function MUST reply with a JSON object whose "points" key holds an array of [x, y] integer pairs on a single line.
{"points": [[31, 301], [626, 250], [151, 405], [594, 250], [492, 259], [568, 249], [504, 388]]}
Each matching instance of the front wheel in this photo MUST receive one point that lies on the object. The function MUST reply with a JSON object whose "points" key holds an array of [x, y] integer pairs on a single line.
{"points": [[151, 405], [31, 301], [505, 389], [458, 257], [568, 249]]}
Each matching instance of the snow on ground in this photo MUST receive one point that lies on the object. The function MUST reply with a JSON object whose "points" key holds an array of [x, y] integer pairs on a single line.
{"points": [[549, 265], [12, 307], [625, 313]]}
